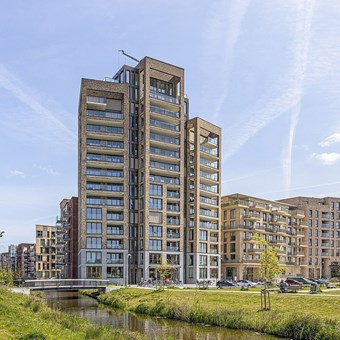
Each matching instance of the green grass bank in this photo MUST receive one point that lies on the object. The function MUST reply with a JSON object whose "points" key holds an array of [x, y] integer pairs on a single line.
{"points": [[29, 317], [291, 316]]}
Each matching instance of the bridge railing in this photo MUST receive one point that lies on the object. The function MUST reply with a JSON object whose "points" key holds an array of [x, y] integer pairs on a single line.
{"points": [[72, 283]]}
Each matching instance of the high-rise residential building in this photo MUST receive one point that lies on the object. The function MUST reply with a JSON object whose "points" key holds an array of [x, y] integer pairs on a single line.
{"points": [[12, 251], [203, 232], [67, 238], [280, 224], [5, 261], [26, 260], [134, 171], [322, 216], [45, 251]]}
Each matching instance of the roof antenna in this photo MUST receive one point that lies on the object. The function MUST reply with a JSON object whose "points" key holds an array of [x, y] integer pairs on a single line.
{"points": [[129, 56]]}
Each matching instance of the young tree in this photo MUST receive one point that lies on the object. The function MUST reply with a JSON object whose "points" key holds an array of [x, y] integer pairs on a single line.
{"points": [[269, 261], [2, 233]]}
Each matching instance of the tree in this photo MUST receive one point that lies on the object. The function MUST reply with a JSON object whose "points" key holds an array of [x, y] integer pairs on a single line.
{"points": [[164, 271], [270, 262], [2, 233]]}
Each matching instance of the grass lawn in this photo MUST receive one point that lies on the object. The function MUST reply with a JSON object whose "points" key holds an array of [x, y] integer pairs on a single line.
{"points": [[28, 317], [291, 315]]}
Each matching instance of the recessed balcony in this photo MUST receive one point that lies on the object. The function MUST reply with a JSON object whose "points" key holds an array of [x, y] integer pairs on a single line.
{"points": [[98, 103]]}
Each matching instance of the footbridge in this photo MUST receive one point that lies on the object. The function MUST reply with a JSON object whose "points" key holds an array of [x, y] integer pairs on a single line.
{"points": [[66, 285]]}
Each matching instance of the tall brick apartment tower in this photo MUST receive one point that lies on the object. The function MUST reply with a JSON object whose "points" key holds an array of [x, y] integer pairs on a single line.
{"points": [[138, 192]]}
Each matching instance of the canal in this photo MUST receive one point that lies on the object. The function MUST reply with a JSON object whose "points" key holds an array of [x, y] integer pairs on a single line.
{"points": [[153, 328]]}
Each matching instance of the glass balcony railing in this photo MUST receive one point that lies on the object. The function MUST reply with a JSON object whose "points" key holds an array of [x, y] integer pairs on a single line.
{"points": [[210, 188], [104, 129], [162, 125], [164, 179], [208, 200], [173, 235], [104, 158], [97, 100], [208, 163], [172, 207], [164, 166], [105, 114], [163, 152], [165, 139], [208, 225], [213, 152], [165, 112], [208, 213], [206, 175], [173, 194], [213, 140], [162, 96], [104, 143]]}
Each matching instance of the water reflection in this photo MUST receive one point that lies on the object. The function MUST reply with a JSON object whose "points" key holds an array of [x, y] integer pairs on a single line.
{"points": [[153, 328]]}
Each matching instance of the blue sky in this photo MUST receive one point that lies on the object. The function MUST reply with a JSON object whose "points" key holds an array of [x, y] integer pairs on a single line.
{"points": [[266, 71]]}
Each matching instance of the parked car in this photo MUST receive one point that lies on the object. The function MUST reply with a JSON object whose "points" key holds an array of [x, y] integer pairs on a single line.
{"points": [[224, 283], [301, 279], [246, 283], [292, 282]]}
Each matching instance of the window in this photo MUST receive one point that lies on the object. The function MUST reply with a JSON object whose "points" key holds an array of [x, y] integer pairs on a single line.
{"points": [[156, 203], [93, 242], [316, 213], [114, 272], [310, 213], [93, 257], [203, 235], [114, 244], [203, 260], [155, 231], [39, 233], [93, 213], [114, 258], [203, 247], [156, 190], [155, 245], [203, 273], [154, 258], [93, 228], [94, 272], [115, 216], [114, 230]]}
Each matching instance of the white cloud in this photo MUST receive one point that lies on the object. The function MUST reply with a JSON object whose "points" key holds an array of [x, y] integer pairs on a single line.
{"points": [[48, 169], [221, 33], [17, 173], [49, 119], [326, 158], [330, 140]]}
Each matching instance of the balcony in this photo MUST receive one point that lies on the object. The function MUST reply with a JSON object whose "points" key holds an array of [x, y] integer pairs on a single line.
{"points": [[172, 248], [105, 114], [326, 245], [209, 164], [207, 200], [213, 251], [210, 177], [164, 139], [164, 166], [209, 188], [165, 126], [208, 225], [164, 97], [252, 216], [325, 253], [173, 194], [164, 112], [173, 235], [326, 225], [164, 152], [114, 261], [208, 213], [93, 102], [326, 235], [280, 220], [210, 152], [213, 239]]}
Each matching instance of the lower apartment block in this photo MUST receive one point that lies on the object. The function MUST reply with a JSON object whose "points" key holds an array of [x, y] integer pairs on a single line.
{"points": [[322, 216], [280, 224]]}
